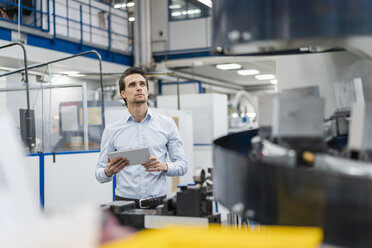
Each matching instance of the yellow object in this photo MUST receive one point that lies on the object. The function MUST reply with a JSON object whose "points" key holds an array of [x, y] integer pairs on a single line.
{"points": [[308, 157], [218, 237]]}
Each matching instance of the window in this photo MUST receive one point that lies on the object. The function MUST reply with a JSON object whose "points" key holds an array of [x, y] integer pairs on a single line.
{"points": [[187, 9]]}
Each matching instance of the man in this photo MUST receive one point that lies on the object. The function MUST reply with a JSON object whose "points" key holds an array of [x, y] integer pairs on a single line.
{"points": [[141, 127]]}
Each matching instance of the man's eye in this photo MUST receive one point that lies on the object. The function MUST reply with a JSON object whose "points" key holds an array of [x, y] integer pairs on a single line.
{"points": [[131, 85], [143, 84]]}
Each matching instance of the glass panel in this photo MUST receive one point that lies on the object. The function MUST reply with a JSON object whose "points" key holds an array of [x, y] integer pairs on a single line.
{"points": [[195, 9], [177, 9], [59, 109], [187, 9]]}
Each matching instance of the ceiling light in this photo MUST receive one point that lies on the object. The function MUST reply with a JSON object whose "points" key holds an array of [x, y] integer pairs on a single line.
{"points": [[228, 66], [251, 114], [70, 72], [249, 72], [265, 77], [177, 13], [274, 81], [206, 2], [131, 19], [193, 11], [235, 115], [175, 6], [117, 6], [130, 4]]}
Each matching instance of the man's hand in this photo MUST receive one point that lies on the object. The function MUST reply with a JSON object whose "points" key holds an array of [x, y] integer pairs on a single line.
{"points": [[116, 165], [155, 165]]}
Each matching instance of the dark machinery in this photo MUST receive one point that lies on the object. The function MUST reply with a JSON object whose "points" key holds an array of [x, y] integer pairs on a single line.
{"points": [[279, 194], [192, 205]]}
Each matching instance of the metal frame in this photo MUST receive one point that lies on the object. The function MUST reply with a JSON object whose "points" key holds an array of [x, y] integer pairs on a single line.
{"points": [[28, 111], [62, 59]]}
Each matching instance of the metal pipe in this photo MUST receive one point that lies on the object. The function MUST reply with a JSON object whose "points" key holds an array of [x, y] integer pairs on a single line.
{"points": [[85, 116], [28, 111], [54, 21], [156, 74], [66, 58]]}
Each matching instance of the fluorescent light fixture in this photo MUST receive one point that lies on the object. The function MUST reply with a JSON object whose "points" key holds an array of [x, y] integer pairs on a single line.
{"points": [[130, 4], [131, 19], [73, 74], [77, 75], [265, 77], [251, 114], [175, 6], [274, 81], [69, 73], [206, 2], [193, 11], [235, 115], [228, 66], [117, 6], [177, 13], [249, 72]]}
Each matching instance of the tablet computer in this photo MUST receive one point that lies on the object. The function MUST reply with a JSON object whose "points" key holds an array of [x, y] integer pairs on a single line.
{"points": [[135, 156]]}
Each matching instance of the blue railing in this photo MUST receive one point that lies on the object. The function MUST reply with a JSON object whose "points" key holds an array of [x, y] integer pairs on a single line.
{"points": [[10, 13], [36, 14]]}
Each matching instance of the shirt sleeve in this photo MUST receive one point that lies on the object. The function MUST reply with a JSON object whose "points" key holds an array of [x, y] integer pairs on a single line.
{"points": [[178, 164], [106, 146]]}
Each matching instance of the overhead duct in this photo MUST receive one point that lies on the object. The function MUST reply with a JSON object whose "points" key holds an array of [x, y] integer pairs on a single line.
{"points": [[292, 26]]}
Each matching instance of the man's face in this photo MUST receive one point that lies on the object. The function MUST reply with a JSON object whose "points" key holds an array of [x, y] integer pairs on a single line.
{"points": [[135, 89]]}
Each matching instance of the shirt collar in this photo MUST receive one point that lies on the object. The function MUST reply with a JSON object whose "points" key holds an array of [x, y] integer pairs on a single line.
{"points": [[128, 116]]}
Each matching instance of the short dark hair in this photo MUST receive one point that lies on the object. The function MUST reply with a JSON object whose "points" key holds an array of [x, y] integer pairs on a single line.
{"points": [[130, 71]]}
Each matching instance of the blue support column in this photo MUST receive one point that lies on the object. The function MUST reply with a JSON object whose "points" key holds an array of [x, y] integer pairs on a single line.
{"points": [[200, 87], [113, 187], [34, 13], [109, 32], [20, 12], [41, 180], [54, 22], [160, 85]]}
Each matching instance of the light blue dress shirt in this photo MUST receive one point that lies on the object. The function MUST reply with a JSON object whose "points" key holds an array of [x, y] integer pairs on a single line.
{"points": [[157, 132]]}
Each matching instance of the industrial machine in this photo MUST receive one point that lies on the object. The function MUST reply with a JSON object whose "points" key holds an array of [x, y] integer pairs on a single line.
{"points": [[296, 172], [192, 205]]}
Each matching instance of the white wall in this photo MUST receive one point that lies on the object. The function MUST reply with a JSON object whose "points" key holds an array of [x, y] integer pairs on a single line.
{"points": [[178, 35], [159, 25], [171, 89], [190, 34], [206, 109], [71, 181], [324, 69]]}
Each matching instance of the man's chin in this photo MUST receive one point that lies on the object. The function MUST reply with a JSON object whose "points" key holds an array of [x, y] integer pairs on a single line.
{"points": [[139, 101]]}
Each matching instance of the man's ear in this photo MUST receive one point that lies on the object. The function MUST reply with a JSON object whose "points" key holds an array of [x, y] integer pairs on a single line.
{"points": [[122, 93]]}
